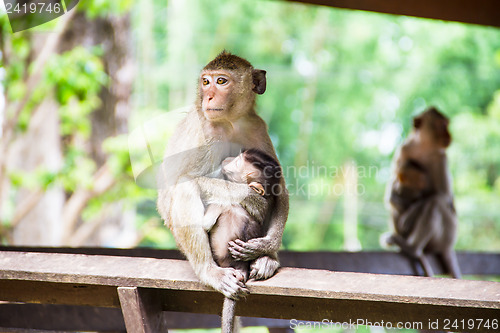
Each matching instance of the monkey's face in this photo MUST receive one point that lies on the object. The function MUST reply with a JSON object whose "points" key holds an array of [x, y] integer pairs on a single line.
{"points": [[441, 132], [217, 94], [433, 126], [239, 170], [435, 131]]}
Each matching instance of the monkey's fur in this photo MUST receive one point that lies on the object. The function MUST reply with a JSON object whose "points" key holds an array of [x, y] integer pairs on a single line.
{"points": [[420, 195], [222, 122], [231, 222]]}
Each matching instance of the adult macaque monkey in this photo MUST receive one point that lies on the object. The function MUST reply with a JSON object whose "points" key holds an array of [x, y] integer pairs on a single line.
{"points": [[420, 195], [222, 122], [227, 223]]}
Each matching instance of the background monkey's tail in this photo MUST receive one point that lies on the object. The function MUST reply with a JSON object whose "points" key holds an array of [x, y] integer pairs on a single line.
{"points": [[230, 323]]}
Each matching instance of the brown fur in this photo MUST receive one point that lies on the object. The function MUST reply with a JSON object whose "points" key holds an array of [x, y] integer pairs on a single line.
{"points": [[233, 222], [201, 142], [421, 197]]}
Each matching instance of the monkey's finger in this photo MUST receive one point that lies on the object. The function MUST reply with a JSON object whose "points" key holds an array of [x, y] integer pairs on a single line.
{"points": [[233, 288], [239, 252], [251, 245], [242, 256]]}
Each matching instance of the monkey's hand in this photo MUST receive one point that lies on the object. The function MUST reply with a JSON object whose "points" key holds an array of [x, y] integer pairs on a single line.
{"points": [[263, 268], [246, 251]]}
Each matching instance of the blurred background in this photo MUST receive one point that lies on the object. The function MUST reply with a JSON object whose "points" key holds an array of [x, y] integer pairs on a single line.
{"points": [[88, 102]]}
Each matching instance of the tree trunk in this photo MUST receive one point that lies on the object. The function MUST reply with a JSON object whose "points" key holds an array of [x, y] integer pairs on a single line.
{"points": [[42, 223]]}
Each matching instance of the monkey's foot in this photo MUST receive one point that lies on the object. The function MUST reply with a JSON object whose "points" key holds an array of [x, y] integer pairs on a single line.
{"points": [[231, 283], [387, 239], [263, 268], [245, 251]]}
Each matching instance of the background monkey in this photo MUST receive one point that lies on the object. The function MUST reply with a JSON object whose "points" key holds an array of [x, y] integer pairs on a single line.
{"points": [[230, 222], [222, 122], [421, 197], [410, 185]]}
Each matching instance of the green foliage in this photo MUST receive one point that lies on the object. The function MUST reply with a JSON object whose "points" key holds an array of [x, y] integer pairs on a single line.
{"points": [[342, 85], [78, 76], [96, 8]]}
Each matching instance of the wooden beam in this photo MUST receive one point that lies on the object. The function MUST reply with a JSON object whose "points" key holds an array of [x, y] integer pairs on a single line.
{"points": [[142, 311], [54, 317], [292, 293], [60, 318], [484, 12], [377, 262]]}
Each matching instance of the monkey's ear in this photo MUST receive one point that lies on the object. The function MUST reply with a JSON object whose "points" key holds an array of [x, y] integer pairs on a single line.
{"points": [[417, 122], [259, 81], [257, 187]]}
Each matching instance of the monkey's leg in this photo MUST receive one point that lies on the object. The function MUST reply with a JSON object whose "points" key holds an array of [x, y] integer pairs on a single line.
{"points": [[406, 221], [426, 266], [451, 263], [186, 215], [427, 226], [228, 281], [412, 252]]}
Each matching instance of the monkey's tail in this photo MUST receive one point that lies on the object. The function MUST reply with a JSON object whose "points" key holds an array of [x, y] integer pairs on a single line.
{"points": [[229, 322]]}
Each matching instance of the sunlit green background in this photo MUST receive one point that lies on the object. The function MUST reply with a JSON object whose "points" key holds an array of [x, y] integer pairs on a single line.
{"points": [[342, 88]]}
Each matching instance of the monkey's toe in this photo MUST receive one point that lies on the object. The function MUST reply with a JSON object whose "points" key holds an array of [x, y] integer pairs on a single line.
{"points": [[232, 285], [263, 268]]}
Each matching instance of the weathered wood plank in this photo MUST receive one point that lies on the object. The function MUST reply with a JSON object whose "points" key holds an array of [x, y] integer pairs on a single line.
{"points": [[377, 262], [142, 311], [178, 275], [292, 293], [485, 12]]}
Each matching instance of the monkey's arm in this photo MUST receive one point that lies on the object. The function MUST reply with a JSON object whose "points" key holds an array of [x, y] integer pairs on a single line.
{"points": [[270, 243], [391, 184], [440, 175], [222, 192], [212, 213]]}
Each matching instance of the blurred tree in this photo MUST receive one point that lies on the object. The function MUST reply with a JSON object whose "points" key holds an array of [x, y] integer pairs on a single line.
{"points": [[72, 103]]}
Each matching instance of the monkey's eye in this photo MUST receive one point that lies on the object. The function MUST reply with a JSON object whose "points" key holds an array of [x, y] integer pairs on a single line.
{"points": [[221, 80], [205, 81]]}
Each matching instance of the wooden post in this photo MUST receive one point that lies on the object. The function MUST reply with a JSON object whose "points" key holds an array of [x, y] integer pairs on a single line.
{"points": [[141, 310]]}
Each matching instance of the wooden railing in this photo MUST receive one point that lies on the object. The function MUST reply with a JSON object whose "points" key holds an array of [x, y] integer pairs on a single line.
{"points": [[138, 290]]}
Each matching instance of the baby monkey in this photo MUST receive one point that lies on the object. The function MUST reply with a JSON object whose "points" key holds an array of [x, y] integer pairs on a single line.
{"points": [[228, 222], [411, 185]]}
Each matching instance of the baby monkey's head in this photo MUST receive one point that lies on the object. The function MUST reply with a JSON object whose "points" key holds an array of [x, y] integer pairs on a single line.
{"points": [[253, 166]]}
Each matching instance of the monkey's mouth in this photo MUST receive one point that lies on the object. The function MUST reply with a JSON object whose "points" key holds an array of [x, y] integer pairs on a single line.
{"points": [[215, 109]]}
